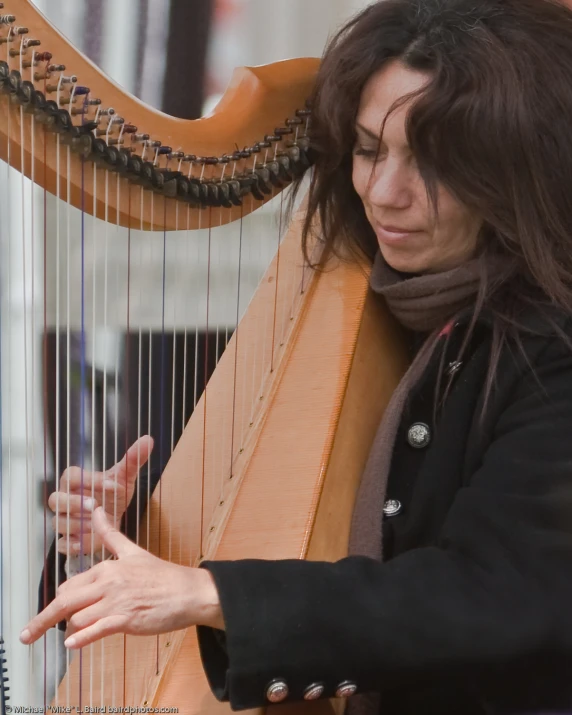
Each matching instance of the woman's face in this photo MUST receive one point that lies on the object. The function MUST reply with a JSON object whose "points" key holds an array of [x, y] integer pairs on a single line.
{"points": [[392, 190]]}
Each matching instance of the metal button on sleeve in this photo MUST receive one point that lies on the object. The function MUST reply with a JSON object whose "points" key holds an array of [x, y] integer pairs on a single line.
{"points": [[277, 691], [419, 435], [314, 691], [346, 689], [392, 507]]}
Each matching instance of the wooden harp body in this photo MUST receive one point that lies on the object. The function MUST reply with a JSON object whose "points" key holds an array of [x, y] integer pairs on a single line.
{"points": [[270, 459]]}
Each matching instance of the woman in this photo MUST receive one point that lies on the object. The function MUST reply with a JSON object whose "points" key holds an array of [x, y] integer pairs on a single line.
{"points": [[444, 154]]}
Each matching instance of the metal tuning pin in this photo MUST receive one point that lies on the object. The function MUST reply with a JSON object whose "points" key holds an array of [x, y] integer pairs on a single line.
{"points": [[61, 82], [38, 76], [24, 48], [86, 104], [77, 92], [115, 121], [38, 57]]}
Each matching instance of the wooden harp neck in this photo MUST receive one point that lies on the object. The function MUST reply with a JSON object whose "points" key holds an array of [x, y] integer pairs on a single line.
{"points": [[257, 102]]}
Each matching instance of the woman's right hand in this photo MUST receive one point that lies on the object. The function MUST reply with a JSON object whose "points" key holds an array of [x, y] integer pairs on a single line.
{"points": [[79, 495]]}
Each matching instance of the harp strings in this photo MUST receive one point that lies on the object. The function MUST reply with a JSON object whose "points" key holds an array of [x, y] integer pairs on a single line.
{"points": [[256, 355]]}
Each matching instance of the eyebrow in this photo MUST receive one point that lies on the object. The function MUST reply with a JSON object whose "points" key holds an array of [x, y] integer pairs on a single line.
{"points": [[367, 132]]}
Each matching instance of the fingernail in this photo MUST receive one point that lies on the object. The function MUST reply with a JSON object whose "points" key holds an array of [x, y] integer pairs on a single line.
{"points": [[70, 642], [89, 503], [25, 636], [76, 546], [109, 484]]}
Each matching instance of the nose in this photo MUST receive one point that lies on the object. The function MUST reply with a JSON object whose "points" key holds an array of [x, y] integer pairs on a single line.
{"points": [[390, 185]]}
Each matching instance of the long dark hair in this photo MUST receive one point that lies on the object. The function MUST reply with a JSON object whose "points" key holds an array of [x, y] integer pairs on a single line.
{"points": [[493, 126]]}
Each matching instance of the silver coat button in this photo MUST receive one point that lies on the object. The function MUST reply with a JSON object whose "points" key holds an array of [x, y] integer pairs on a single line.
{"points": [[419, 435], [392, 507], [346, 689], [277, 691], [314, 691]]}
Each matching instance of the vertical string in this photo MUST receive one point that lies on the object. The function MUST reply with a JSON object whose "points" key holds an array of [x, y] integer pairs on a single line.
{"points": [[32, 363], [236, 347], [45, 413], [185, 356], [29, 486], [5, 293], [82, 383], [149, 385], [117, 420], [176, 262], [275, 311], [162, 385], [57, 456], [93, 394], [68, 382], [140, 381], [105, 370], [204, 450], [126, 362]]}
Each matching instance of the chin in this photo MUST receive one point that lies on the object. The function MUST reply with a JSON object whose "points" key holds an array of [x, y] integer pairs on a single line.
{"points": [[406, 263]]}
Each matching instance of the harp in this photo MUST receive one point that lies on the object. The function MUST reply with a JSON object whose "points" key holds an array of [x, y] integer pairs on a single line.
{"points": [[118, 220]]}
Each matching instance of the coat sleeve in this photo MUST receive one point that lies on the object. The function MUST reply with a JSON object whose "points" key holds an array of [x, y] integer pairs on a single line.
{"points": [[492, 596]]}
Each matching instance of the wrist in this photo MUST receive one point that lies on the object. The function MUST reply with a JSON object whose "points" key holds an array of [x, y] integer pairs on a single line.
{"points": [[209, 608]]}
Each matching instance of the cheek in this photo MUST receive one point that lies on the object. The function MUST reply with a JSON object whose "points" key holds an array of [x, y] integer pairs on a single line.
{"points": [[457, 229]]}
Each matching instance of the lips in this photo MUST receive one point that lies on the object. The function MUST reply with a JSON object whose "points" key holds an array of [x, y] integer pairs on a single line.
{"points": [[397, 229], [393, 234]]}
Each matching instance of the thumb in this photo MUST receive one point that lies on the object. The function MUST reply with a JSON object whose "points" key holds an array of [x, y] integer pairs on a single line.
{"points": [[136, 457], [113, 540]]}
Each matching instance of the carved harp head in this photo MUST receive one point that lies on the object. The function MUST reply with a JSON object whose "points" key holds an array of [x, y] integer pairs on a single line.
{"points": [[150, 284]]}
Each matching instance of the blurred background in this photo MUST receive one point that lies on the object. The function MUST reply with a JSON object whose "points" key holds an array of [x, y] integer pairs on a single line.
{"points": [[178, 55]]}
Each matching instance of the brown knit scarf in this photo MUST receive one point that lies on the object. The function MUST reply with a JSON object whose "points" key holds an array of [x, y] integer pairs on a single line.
{"points": [[422, 303]]}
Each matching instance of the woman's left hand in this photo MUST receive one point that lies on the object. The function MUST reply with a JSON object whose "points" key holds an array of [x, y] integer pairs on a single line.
{"points": [[138, 594]]}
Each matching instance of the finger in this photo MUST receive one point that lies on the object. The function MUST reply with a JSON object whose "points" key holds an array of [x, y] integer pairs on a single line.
{"points": [[63, 503], [61, 608], [75, 545], [77, 479], [76, 583], [118, 544], [136, 456], [102, 628], [72, 525], [85, 618]]}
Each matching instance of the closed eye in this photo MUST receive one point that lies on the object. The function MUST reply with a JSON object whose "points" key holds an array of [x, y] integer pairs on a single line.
{"points": [[367, 153]]}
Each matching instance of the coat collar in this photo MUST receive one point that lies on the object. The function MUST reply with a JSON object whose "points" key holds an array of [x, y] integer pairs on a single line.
{"points": [[535, 320]]}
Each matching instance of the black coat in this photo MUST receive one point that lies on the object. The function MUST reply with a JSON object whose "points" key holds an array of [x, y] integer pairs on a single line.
{"points": [[471, 611]]}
